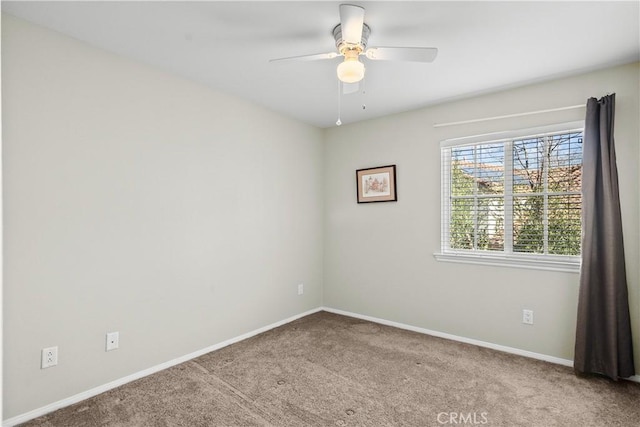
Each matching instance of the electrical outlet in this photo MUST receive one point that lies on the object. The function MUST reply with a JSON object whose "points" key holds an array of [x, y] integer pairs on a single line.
{"points": [[300, 288], [49, 357], [113, 340], [527, 317]]}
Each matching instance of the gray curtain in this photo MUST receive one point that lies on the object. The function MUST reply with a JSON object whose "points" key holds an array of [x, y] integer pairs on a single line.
{"points": [[603, 334]]}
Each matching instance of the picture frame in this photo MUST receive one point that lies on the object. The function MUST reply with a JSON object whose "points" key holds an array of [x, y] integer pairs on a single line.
{"points": [[376, 184]]}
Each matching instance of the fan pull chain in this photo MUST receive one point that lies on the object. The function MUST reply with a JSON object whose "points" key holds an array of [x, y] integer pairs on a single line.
{"points": [[364, 92], [339, 122]]}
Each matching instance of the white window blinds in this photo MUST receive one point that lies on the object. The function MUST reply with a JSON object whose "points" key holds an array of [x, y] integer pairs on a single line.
{"points": [[515, 196]]}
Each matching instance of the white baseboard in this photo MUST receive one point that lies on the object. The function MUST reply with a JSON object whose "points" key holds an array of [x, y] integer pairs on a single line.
{"points": [[137, 375], [512, 350], [117, 383]]}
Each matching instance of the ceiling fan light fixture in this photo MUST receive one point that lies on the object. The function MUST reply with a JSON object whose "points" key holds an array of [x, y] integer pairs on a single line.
{"points": [[350, 70]]}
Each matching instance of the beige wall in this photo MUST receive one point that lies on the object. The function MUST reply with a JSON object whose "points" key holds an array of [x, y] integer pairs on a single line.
{"points": [[379, 257], [142, 203]]}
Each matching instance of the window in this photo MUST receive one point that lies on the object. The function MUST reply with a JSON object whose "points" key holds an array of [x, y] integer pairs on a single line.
{"points": [[514, 201]]}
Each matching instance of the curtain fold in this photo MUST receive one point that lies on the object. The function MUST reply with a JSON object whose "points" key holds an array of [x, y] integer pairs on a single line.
{"points": [[603, 333]]}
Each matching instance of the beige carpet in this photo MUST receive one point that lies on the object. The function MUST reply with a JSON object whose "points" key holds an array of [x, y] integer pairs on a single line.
{"points": [[330, 370]]}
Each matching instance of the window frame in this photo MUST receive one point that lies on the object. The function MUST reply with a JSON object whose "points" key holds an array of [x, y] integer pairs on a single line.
{"points": [[506, 257]]}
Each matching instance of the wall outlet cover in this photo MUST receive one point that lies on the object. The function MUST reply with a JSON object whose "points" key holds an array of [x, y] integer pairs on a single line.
{"points": [[113, 340], [49, 357]]}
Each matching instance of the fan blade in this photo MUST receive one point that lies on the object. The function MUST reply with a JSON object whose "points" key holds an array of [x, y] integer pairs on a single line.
{"points": [[314, 57], [416, 54], [348, 88], [351, 21]]}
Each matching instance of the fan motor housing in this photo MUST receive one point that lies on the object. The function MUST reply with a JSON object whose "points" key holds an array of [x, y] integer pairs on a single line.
{"points": [[342, 45]]}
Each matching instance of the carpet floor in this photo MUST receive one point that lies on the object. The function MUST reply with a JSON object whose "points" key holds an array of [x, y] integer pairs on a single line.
{"points": [[331, 370]]}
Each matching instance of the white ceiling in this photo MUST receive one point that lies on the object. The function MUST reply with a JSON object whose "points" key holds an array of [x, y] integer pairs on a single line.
{"points": [[483, 46]]}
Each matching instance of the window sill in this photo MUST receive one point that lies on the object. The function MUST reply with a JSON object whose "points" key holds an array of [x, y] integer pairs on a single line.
{"points": [[567, 265]]}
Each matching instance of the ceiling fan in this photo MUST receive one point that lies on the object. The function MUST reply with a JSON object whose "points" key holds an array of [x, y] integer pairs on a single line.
{"points": [[351, 36]]}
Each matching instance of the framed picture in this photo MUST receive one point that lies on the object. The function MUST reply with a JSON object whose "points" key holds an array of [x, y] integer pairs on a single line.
{"points": [[377, 184]]}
